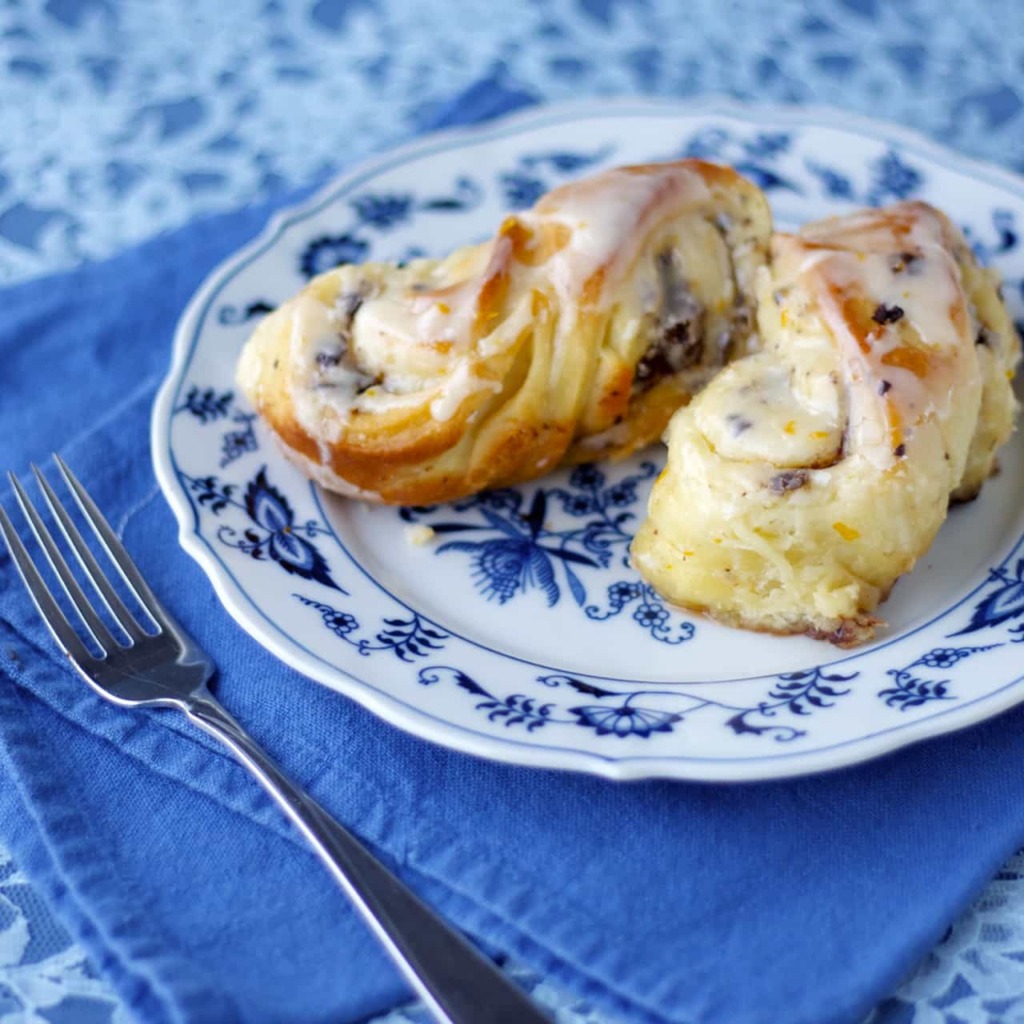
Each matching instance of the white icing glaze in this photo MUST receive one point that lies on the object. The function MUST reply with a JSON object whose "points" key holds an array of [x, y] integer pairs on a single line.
{"points": [[459, 385], [314, 330], [325, 396], [874, 344], [419, 335], [926, 292], [768, 412], [609, 217]]}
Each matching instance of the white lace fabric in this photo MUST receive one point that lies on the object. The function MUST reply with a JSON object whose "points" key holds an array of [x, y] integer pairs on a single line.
{"points": [[44, 977]]}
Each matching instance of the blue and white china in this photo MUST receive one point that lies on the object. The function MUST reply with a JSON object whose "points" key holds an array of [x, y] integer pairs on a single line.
{"points": [[510, 624]]}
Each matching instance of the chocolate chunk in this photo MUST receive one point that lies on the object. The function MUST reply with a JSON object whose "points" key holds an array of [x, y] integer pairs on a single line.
{"points": [[325, 360], [348, 304], [677, 337], [887, 314], [738, 422], [365, 382], [676, 333], [905, 261], [339, 354], [742, 319], [788, 480], [679, 309], [351, 384], [671, 351]]}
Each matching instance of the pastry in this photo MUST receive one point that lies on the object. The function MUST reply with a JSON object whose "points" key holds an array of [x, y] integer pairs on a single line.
{"points": [[572, 335], [806, 478]]}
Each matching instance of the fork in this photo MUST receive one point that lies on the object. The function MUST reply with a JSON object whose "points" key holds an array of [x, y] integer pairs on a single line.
{"points": [[163, 667]]}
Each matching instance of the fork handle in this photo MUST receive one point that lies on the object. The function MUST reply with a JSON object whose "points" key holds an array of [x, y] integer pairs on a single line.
{"points": [[458, 984]]}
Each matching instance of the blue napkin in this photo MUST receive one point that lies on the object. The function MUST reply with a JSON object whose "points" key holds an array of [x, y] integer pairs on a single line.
{"points": [[802, 901]]}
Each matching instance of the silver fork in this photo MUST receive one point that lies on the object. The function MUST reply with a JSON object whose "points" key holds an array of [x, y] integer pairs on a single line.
{"points": [[165, 668]]}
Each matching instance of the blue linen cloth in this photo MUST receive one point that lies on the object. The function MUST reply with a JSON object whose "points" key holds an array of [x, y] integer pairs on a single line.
{"points": [[797, 901]]}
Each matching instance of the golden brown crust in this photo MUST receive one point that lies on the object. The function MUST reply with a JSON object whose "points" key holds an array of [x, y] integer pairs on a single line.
{"points": [[845, 633]]}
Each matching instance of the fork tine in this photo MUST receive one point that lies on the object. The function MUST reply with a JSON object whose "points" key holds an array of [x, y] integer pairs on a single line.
{"points": [[96, 576], [113, 547], [95, 625], [67, 639]]}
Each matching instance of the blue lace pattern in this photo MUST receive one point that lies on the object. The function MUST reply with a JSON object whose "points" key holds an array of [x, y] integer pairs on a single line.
{"points": [[142, 116]]}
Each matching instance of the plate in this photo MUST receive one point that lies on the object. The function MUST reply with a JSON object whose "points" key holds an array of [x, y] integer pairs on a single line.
{"points": [[509, 625]]}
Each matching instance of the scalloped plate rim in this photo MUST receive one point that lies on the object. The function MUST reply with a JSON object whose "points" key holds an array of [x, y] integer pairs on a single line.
{"points": [[417, 720]]}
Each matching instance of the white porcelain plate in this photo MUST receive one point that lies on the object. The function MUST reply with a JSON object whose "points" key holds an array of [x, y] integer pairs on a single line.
{"points": [[518, 631]]}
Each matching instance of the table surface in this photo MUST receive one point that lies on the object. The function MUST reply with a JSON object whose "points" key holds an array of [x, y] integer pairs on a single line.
{"points": [[119, 120]]}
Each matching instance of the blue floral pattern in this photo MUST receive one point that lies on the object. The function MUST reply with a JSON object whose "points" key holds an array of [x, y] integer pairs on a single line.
{"points": [[1003, 603], [379, 212], [406, 638], [753, 155], [271, 532], [206, 404], [912, 689], [527, 182], [648, 714], [229, 314], [800, 693], [209, 406], [520, 551], [892, 177], [761, 157], [329, 251]]}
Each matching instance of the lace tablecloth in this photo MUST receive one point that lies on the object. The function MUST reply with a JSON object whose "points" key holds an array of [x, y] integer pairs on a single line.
{"points": [[118, 120]]}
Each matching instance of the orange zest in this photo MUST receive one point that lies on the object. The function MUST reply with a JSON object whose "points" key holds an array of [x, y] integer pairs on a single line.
{"points": [[846, 532], [911, 359]]}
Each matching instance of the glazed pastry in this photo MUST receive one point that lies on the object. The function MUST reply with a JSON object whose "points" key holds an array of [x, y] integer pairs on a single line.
{"points": [[572, 335], [806, 478]]}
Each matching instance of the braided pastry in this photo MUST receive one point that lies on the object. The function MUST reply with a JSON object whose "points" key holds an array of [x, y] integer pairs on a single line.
{"points": [[572, 335], [806, 478]]}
